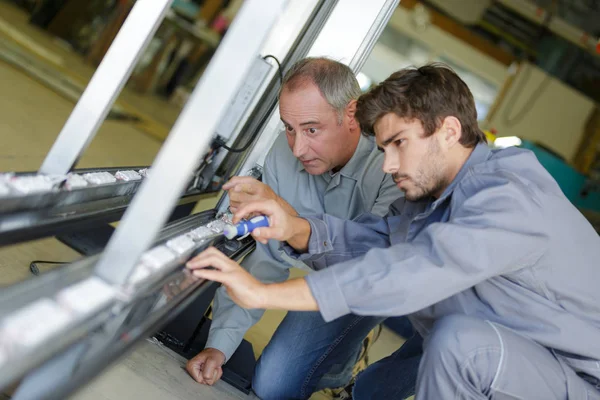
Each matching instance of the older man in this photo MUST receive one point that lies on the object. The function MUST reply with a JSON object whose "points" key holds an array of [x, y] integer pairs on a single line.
{"points": [[321, 164]]}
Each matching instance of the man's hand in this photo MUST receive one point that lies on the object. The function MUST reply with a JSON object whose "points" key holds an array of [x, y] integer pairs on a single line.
{"points": [[282, 226], [242, 287], [206, 367], [248, 292], [245, 189]]}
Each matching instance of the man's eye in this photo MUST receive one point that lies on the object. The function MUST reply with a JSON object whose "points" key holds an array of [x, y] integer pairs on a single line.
{"points": [[399, 142], [312, 130], [289, 128]]}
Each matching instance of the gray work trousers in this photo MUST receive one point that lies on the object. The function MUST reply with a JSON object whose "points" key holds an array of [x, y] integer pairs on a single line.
{"points": [[470, 358]]}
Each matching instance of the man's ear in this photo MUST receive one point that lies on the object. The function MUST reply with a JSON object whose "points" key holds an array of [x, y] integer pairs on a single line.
{"points": [[350, 112], [451, 131]]}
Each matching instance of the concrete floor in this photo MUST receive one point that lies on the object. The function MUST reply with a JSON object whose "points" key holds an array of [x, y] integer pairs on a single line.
{"points": [[31, 117], [152, 372]]}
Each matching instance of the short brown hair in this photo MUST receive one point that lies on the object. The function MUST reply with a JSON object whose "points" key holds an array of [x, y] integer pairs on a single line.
{"points": [[428, 94]]}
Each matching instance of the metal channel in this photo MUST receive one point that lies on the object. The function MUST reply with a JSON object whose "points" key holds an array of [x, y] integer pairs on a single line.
{"points": [[188, 140]]}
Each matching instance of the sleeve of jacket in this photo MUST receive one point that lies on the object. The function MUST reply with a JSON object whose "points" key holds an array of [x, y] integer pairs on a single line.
{"points": [[334, 240], [496, 227], [230, 321]]}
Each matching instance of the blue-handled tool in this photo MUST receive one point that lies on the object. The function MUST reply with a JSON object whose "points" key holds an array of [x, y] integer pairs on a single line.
{"points": [[244, 228]]}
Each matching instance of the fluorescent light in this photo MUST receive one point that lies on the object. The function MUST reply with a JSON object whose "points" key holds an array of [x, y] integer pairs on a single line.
{"points": [[507, 141]]}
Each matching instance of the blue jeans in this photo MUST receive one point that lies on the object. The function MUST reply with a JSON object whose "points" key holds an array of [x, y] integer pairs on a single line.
{"points": [[393, 377], [401, 326], [307, 354]]}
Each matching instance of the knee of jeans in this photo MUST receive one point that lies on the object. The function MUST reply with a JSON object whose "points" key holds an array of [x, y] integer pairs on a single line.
{"points": [[270, 380], [265, 389], [456, 336]]}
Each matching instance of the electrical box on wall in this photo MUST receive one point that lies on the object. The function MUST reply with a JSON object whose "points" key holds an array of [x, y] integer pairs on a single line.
{"points": [[244, 97]]}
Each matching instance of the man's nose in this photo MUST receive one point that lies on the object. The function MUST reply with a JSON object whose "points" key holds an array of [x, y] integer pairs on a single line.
{"points": [[300, 146], [390, 164]]}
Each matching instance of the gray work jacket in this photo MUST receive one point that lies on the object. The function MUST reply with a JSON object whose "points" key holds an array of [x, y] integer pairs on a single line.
{"points": [[502, 243]]}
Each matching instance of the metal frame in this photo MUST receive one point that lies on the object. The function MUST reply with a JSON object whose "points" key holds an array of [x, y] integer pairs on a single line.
{"points": [[188, 140], [106, 84], [29, 217], [47, 285], [75, 357], [342, 29]]}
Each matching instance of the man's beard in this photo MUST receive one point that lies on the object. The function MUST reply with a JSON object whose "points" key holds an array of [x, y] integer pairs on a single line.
{"points": [[430, 176]]}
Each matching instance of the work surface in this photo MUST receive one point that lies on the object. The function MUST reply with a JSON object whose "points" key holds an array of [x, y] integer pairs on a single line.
{"points": [[152, 372]]}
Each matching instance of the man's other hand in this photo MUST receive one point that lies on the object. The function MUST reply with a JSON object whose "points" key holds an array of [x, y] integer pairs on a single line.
{"points": [[206, 367], [245, 189]]}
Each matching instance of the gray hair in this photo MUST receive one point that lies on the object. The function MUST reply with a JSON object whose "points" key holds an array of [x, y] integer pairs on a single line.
{"points": [[336, 81]]}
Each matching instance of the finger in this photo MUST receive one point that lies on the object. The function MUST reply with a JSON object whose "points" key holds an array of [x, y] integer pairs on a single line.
{"points": [[219, 373], [194, 368], [211, 251], [231, 183], [246, 180], [211, 260], [238, 199], [209, 372], [211, 275], [267, 233], [267, 207], [198, 256], [198, 360], [212, 380], [244, 190], [236, 180]]}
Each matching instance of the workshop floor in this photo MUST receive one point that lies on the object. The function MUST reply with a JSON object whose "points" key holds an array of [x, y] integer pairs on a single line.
{"points": [[31, 116]]}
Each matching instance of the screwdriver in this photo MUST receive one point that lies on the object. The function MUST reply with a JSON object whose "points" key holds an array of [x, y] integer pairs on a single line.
{"points": [[243, 228]]}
